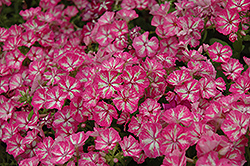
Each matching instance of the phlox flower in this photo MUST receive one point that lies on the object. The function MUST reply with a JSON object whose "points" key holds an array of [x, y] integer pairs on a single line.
{"points": [[3, 34], [128, 4], [227, 21], [171, 25], [219, 53], [4, 84], [108, 83], [153, 66], [90, 96], [78, 112], [207, 88], [33, 161], [157, 86], [232, 68], [174, 136], [197, 129], [135, 78], [207, 143], [104, 35], [6, 110], [39, 98], [158, 21], [126, 15], [119, 28], [176, 158], [241, 85], [91, 158], [190, 90], [14, 59], [145, 47], [130, 146], [71, 11], [55, 98], [136, 123], [12, 43], [62, 151], [151, 140], [179, 114], [8, 131], [29, 13], [15, 145], [28, 38], [107, 139], [24, 123], [149, 107], [16, 81], [121, 42], [63, 118], [240, 5], [78, 139], [169, 46], [235, 125], [71, 86], [126, 100], [35, 53], [178, 77], [209, 159], [70, 61], [36, 68], [104, 114]]}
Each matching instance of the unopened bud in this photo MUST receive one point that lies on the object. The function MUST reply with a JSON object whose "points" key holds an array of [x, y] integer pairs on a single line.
{"points": [[205, 46], [115, 160], [242, 33], [233, 37]]}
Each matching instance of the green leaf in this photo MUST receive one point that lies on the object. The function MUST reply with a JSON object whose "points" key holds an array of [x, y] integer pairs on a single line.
{"points": [[213, 40], [238, 45], [246, 38], [30, 115]]}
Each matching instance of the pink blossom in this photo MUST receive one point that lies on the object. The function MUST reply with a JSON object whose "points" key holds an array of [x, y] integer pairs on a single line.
{"points": [[232, 68], [189, 90], [55, 98], [174, 137], [14, 59], [235, 125], [127, 100], [104, 114], [219, 53], [107, 139], [62, 151], [108, 83], [130, 146], [6, 110], [136, 123], [227, 21], [179, 114], [145, 47], [175, 158], [135, 79], [207, 143], [150, 139]]}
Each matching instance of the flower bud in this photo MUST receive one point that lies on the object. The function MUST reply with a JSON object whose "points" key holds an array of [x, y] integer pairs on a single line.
{"points": [[233, 37], [115, 160], [242, 33]]}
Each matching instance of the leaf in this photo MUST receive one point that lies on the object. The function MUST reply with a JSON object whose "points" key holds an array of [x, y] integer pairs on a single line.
{"points": [[213, 40], [246, 38], [237, 45], [30, 115]]}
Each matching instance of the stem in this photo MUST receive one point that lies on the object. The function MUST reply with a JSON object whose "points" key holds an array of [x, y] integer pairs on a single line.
{"points": [[190, 160]]}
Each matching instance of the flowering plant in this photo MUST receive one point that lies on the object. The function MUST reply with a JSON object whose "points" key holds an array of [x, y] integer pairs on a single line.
{"points": [[125, 82]]}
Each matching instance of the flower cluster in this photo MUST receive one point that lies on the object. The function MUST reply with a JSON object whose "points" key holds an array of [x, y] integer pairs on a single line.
{"points": [[110, 91]]}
